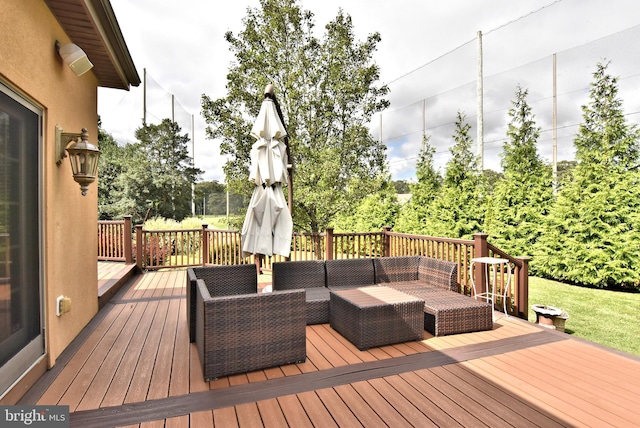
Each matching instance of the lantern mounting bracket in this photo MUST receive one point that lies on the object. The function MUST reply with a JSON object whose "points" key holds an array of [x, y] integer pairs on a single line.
{"points": [[62, 141]]}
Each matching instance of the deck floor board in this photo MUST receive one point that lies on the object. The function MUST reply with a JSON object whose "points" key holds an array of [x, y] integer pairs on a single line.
{"points": [[136, 365]]}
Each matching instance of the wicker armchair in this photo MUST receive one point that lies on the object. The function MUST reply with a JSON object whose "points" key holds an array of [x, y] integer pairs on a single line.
{"points": [[308, 275], [221, 281], [237, 334]]}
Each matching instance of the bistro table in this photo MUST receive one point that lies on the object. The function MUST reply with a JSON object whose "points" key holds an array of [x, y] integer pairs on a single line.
{"points": [[490, 296]]}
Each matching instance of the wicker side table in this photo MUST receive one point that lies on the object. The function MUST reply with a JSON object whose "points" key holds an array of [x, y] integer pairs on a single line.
{"points": [[376, 316]]}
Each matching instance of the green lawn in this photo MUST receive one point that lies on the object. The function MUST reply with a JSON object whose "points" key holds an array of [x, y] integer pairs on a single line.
{"points": [[609, 318]]}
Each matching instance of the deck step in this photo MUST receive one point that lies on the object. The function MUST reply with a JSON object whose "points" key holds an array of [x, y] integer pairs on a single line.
{"points": [[108, 288]]}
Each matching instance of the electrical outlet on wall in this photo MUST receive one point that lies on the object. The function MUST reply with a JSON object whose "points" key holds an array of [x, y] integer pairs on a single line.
{"points": [[59, 305], [63, 305]]}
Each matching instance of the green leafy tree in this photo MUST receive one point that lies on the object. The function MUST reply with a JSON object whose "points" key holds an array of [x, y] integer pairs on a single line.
{"points": [[402, 186], [591, 236], [157, 174], [458, 209], [210, 198], [327, 92], [491, 178], [413, 215], [564, 169], [110, 166], [522, 198]]}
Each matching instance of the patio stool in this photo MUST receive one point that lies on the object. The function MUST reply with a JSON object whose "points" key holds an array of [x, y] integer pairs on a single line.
{"points": [[448, 312], [376, 316]]}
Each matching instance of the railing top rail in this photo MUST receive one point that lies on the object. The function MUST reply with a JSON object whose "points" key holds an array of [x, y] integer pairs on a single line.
{"points": [[432, 238], [171, 230], [514, 260], [358, 234], [223, 230], [110, 221]]}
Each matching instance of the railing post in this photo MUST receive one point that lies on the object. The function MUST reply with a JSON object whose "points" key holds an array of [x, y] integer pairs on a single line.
{"points": [[386, 241], [481, 248], [328, 236], [139, 249], [128, 254], [205, 244], [523, 288]]}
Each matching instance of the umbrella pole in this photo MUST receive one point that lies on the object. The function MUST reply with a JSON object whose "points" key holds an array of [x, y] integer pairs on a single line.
{"points": [[271, 94], [257, 258]]}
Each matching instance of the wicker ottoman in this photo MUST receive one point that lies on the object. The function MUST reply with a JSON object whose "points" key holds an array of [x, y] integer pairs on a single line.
{"points": [[317, 302], [448, 312], [376, 316]]}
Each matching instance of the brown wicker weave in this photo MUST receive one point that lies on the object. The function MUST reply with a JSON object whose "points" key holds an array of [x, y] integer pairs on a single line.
{"points": [[439, 273], [309, 275], [396, 269], [449, 312], [237, 334], [221, 281], [349, 273], [446, 311], [376, 316], [298, 274]]}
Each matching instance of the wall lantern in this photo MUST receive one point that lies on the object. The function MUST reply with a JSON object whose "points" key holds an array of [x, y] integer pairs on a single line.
{"points": [[74, 57], [82, 154]]}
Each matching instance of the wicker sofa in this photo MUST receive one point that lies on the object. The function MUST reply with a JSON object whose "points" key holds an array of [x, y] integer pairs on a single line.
{"points": [[308, 275], [446, 311], [241, 333]]}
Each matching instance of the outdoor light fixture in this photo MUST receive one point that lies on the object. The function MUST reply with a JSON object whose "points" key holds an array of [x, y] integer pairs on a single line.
{"points": [[74, 57], [82, 154]]}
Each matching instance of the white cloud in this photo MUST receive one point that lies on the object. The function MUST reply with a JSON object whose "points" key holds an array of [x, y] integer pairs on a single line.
{"points": [[182, 47]]}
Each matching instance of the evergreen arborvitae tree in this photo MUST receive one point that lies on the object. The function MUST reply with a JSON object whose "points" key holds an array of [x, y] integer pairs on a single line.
{"points": [[458, 210], [591, 236], [413, 215], [372, 213], [524, 195]]}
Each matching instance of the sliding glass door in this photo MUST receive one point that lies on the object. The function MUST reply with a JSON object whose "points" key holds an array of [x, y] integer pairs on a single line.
{"points": [[21, 342]]}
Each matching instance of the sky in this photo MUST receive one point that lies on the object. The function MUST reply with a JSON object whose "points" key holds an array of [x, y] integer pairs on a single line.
{"points": [[428, 47]]}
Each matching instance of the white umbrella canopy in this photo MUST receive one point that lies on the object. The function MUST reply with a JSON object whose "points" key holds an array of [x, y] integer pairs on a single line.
{"points": [[268, 226]]}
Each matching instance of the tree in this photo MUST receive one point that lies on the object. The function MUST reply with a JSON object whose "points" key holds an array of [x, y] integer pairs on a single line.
{"points": [[413, 215], [564, 169], [592, 233], [458, 209], [401, 186], [523, 197], [156, 175], [327, 92], [371, 214], [110, 166]]}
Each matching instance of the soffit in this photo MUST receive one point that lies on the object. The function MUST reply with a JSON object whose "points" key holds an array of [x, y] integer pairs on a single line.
{"points": [[92, 25]]}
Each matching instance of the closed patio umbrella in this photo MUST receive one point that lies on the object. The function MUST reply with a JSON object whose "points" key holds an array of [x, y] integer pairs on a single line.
{"points": [[268, 226]]}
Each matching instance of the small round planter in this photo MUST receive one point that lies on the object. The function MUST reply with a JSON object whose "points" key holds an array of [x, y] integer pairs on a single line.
{"points": [[550, 316]]}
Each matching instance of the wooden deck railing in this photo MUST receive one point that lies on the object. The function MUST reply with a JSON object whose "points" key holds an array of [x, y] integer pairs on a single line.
{"points": [[114, 240], [158, 249]]}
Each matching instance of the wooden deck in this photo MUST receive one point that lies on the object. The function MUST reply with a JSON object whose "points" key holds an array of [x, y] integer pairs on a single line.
{"points": [[134, 366]]}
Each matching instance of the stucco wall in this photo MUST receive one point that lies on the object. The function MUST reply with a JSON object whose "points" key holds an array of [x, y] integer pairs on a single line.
{"points": [[30, 64]]}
